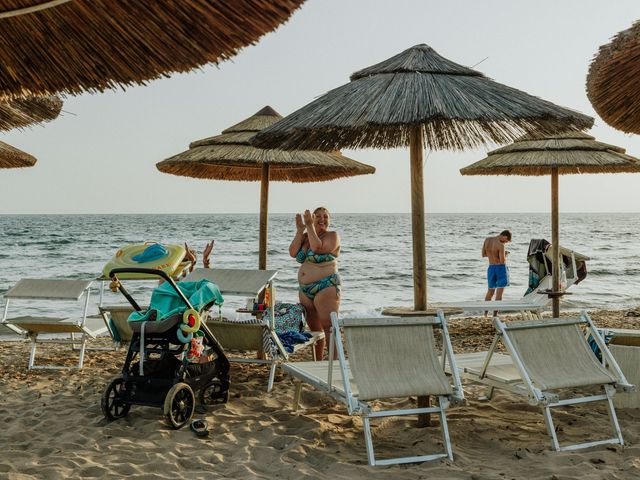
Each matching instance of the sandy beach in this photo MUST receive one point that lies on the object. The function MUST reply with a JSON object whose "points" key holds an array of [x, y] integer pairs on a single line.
{"points": [[52, 427]]}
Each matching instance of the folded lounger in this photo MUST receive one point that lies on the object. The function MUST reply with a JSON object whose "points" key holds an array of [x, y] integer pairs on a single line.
{"points": [[34, 326], [547, 356], [243, 336], [389, 357]]}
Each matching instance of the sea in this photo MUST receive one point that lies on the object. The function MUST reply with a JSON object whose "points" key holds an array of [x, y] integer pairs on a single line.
{"points": [[375, 261]]}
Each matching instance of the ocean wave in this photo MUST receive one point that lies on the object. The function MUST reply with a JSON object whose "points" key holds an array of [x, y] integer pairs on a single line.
{"points": [[377, 267]]}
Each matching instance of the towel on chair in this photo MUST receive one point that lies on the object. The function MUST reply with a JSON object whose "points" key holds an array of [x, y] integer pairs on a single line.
{"points": [[165, 301], [289, 339]]}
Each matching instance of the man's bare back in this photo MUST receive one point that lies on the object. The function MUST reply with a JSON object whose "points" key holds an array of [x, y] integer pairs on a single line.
{"points": [[493, 249]]}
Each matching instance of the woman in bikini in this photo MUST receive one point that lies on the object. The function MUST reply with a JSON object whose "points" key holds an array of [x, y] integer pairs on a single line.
{"points": [[317, 249]]}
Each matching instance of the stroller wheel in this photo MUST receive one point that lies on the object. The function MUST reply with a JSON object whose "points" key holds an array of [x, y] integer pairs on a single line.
{"points": [[213, 393], [112, 402], [179, 405]]}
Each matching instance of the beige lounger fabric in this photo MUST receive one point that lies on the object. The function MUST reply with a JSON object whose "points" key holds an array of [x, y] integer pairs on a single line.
{"points": [[558, 356], [119, 315], [234, 281], [47, 324], [30, 288], [321, 370], [380, 367], [238, 336]]}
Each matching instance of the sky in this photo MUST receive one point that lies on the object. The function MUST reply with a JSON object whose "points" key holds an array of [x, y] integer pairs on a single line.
{"points": [[99, 156]]}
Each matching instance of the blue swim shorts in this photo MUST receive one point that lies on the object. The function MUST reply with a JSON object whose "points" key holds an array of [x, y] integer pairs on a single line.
{"points": [[498, 276]]}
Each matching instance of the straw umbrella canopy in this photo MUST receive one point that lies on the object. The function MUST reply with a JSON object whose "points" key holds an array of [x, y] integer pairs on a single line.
{"points": [[612, 82], [11, 157], [413, 99], [555, 155], [230, 156], [72, 46], [22, 112]]}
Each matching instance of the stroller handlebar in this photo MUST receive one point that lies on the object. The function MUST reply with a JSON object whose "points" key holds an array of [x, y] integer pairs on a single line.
{"points": [[113, 274]]}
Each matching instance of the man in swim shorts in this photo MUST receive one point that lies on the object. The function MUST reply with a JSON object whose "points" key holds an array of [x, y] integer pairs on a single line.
{"points": [[497, 273]]}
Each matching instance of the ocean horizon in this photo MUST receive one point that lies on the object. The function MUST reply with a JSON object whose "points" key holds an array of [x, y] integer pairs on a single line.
{"points": [[375, 261]]}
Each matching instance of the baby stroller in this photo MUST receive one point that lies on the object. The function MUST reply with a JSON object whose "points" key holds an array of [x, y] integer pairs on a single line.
{"points": [[157, 371]]}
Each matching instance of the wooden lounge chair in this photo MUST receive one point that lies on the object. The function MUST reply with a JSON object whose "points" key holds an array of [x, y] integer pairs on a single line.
{"points": [[34, 326], [388, 357], [545, 357], [244, 337]]}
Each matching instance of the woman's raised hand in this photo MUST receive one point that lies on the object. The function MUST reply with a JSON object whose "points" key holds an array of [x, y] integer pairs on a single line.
{"points": [[299, 223], [189, 255], [308, 218], [207, 252]]}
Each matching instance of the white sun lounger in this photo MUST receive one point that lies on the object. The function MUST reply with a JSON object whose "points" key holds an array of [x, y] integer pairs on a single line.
{"points": [[34, 326], [249, 336], [530, 305], [388, 357], [544, 357]]}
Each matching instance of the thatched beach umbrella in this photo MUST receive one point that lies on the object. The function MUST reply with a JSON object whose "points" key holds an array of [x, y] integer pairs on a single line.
{"points": [[22, 112], [11, 157], [613, 81], [230, 156], [555, 155], [413, 99], [50, 46]]}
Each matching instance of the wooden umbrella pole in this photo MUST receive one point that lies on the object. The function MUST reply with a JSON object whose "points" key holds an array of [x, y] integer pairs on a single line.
{"points": [[264, 209], [417, 220], [555, 239], [416, 150]]}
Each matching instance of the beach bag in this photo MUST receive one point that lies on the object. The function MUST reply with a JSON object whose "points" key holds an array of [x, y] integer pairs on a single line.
{"points": [[289, 317]]}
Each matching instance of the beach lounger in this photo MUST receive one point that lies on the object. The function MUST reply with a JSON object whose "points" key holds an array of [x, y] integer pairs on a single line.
{"points": [[243, 336], [116, 319], [35, 326], [116, 316], [532, 304], [545, 357], [389, 357]]}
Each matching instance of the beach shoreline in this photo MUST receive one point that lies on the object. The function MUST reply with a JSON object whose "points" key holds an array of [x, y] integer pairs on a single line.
{"points": [[52, 427]]}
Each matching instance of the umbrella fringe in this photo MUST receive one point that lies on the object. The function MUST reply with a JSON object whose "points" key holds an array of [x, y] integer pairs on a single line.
{"points": [[96, 45], [23, 112], [11, 157], [575, 154], [437, 135], [458, 107], [230, 156], [612, 81]]}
